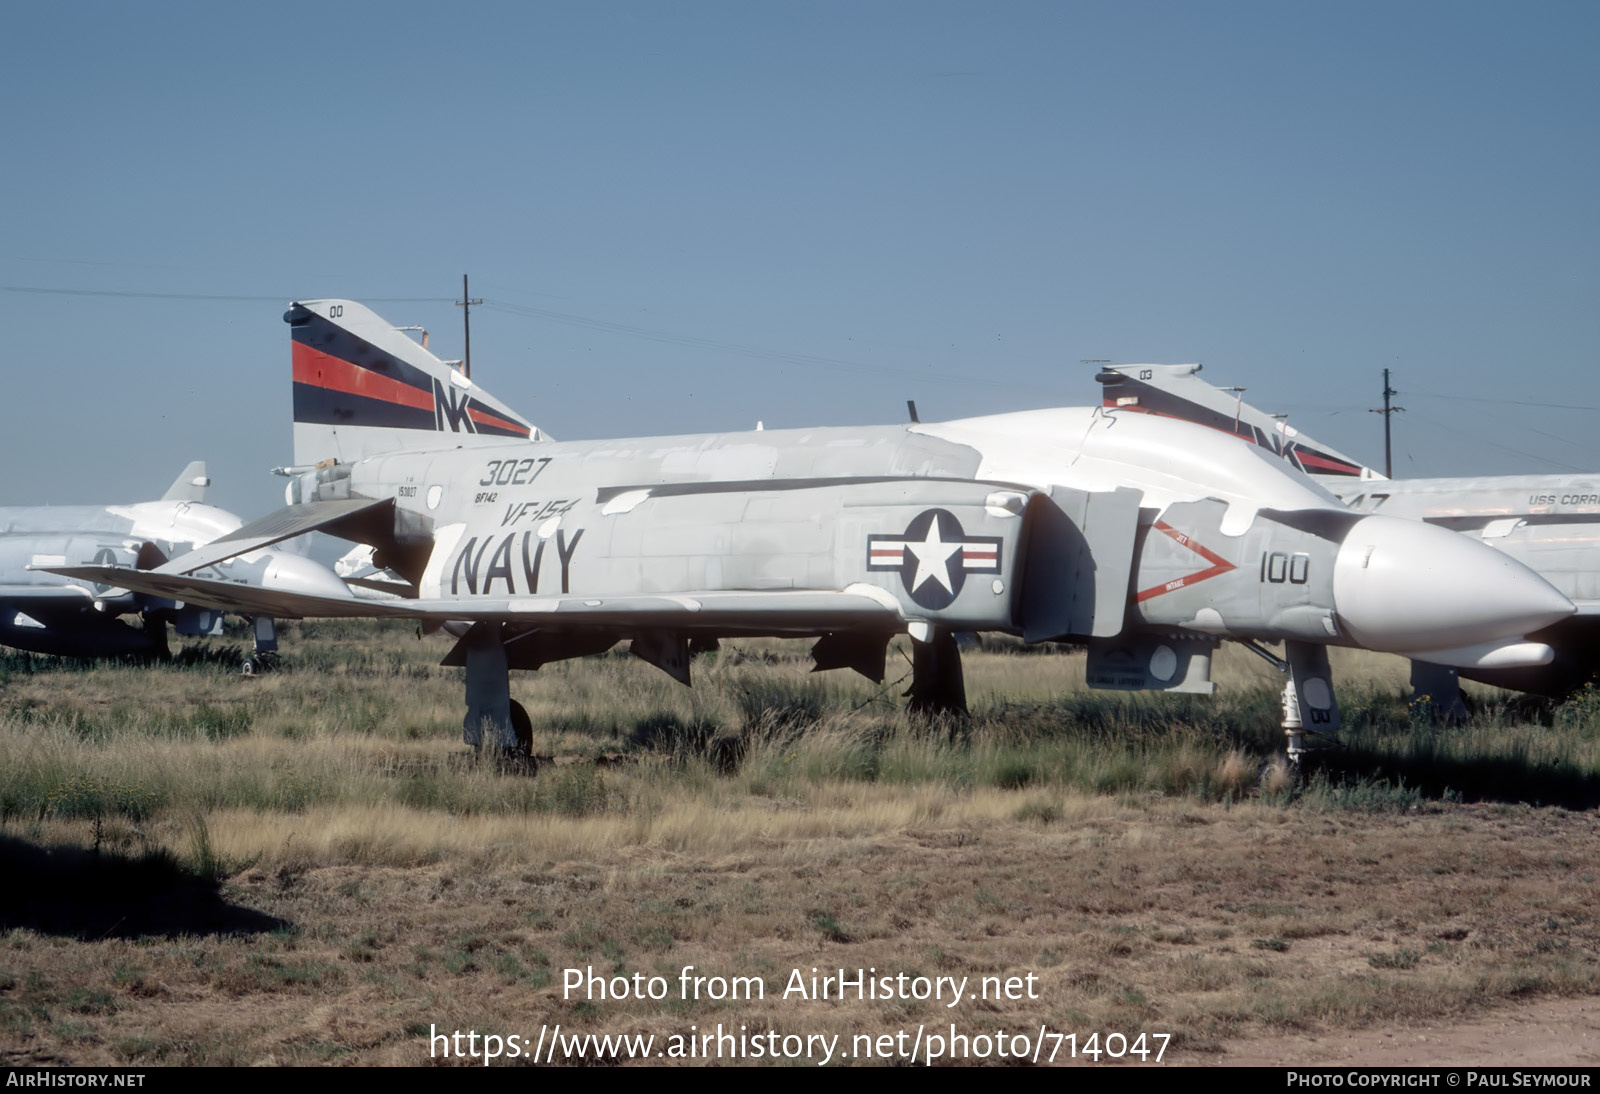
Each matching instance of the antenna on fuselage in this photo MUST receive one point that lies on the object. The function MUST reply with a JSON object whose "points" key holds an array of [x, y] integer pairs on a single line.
{"points": [[1238, 405], [911, 408], [424, 331]]}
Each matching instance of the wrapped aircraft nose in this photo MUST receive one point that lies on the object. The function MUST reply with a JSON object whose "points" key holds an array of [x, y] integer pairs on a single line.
{"points": [[1403, 586]]}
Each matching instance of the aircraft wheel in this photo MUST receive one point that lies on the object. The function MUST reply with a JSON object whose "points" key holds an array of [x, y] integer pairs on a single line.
{"points": [[522, 725], [726, 753], [248, 668]]}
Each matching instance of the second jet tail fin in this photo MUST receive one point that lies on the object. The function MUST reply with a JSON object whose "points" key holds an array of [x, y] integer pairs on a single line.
{"points": [[1175, 391], [190, 485]]}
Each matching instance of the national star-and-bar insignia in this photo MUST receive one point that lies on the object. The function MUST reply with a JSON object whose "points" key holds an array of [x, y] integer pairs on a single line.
{"points": [[934, 557]]}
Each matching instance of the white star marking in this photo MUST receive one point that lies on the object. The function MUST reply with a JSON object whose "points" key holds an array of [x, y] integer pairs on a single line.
{"points": [[933, 558]]}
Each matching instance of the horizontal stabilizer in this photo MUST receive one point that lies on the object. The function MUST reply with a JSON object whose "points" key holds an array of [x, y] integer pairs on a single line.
{"points": [[286, 523]]}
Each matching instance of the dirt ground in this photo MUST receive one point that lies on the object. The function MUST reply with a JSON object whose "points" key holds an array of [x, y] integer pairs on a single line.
{"points": [[1452, 935], [1541, 1033]]}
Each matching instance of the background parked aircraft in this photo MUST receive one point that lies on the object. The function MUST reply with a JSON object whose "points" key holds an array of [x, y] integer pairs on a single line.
{"points": [[1550, 523], [47, 613]]}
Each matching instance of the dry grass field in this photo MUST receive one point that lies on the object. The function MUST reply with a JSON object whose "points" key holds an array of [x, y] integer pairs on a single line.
{"points": [[306, 866]]}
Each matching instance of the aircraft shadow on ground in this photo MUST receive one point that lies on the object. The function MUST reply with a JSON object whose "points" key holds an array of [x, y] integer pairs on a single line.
{"points": [[226, 652], [75, 893], [1496, 779]]}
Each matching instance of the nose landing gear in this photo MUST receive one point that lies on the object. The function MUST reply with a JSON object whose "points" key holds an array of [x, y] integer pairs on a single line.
{"points": [[1309, 706]]}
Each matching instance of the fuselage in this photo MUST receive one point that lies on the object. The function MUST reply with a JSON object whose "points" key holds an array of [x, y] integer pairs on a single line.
{"points": [[1082, 448], [1213, 553], [104, 532]]}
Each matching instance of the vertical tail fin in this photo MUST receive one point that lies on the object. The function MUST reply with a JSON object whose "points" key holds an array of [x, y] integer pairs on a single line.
{"points": [[362, 388], [190, 485]]}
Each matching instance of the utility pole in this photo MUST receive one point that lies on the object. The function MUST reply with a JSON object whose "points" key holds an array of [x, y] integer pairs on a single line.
{"points": [[1387, 412], [465, 304]]}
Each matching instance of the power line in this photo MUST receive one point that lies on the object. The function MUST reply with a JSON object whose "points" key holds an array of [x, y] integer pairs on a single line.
{"points": [[1502, 402], [549, 315], [694, 342], [282, 299], [1503, 422], [1478, 438]]}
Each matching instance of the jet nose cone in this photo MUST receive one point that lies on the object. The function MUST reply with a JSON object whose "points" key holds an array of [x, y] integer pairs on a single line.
{"points": [[1404, 586]]}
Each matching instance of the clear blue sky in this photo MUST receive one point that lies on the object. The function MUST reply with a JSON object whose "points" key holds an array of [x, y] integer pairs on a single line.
{"points": [[690, 216]]}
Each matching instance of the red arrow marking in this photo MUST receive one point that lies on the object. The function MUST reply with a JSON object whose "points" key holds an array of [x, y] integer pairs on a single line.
{"points": [[1219, 565]]}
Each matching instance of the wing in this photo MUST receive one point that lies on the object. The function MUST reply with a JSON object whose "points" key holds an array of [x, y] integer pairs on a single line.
{"points": [[766, 612]]}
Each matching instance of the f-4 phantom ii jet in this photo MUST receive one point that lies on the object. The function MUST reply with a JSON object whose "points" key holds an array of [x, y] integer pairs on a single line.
{"points": [[1549, 523], [46, 613], [1150, 540]]}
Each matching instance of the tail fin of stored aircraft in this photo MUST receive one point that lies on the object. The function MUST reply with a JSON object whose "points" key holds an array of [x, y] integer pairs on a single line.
{"points": [[1174, 391], [190, 485], [361, 388]]}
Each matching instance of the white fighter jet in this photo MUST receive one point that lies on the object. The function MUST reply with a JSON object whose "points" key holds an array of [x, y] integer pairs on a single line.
{"points": [[1150, 540], [1549, 523], [47, 613]]}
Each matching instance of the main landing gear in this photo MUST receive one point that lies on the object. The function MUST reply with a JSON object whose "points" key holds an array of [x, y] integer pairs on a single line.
{"points": [[264, 657], [937, 686], [495, 724]]}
